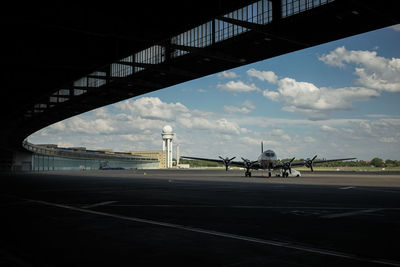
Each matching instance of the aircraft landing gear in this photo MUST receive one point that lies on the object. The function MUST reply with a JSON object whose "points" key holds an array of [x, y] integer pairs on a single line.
{"points": [[285, 175], [269, 174], [247, 174]]}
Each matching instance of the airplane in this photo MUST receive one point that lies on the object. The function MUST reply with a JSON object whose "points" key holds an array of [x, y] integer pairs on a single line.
{"points": [[267, 160]]}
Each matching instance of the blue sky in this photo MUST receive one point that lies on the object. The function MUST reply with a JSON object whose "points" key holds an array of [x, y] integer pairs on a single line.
{"points": [[336, 100]]}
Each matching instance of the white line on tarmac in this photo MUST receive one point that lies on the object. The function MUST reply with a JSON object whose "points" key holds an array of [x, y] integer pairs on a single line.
{"points": [[222, 234], [98, 204], [236, 207], [346, 187], [345, 214]]}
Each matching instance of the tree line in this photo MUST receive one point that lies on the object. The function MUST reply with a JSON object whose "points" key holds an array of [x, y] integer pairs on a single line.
{"points": [[376, 162]]}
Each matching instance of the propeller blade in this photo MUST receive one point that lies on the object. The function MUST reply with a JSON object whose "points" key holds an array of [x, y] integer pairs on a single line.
{"points": [[290, 170], [232, 158], [310, 163], [225, 161], [292, 160]]}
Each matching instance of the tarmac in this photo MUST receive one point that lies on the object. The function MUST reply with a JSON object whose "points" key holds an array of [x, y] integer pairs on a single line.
{"points": [[199, 218]]}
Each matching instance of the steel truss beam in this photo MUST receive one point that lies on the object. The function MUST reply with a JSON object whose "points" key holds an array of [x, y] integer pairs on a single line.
{"points": [[128, 80], [261, 29], [162, 68], [206, 53]]}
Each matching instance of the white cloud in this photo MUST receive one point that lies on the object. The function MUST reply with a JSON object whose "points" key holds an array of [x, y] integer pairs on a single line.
{"points": [[246, 108], [233, 109], [135, 137], [238, 87], [327, 128], [214, 126], [101, 113], [268, 76], [277, 132], [280, 135], [152, 113], [316, 103], [257, 142], [97, 126], [274, 96], [152, 108], [377, 116], [227, 74], [375, 74], [129, 126], [396, 27], [309, 139], [388, 140], [250, 141], [249, 104], [373, 71], [59, 126], [366, 132]]}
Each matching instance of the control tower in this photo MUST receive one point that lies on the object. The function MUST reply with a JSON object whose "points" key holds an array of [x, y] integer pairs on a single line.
{"points": [[167, 136]]}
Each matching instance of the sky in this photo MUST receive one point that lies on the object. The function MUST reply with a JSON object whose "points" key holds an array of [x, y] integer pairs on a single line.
{"points": [[339, 99]]}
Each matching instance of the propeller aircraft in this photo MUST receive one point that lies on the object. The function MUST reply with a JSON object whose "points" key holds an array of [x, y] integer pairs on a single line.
{"points": [[269, 161]]}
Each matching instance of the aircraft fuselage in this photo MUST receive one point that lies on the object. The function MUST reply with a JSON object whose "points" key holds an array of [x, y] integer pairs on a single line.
{"points": [[268, 159]]}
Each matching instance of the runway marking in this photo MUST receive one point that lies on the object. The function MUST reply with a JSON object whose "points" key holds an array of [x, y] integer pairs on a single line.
{"points": [[98, 204], [347, 187], [345, 214], [235, 206], [222, 234]]}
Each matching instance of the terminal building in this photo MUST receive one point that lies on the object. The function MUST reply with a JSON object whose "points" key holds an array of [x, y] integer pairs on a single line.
{"points": [[45, 157]]}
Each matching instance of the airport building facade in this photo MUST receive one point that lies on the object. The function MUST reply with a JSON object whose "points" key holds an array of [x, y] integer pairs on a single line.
{"points": [[49, 157], [46, 157]]}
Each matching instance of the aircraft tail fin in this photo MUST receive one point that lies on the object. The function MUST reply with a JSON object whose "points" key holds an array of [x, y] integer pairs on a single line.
{"points": [[262, 147]]}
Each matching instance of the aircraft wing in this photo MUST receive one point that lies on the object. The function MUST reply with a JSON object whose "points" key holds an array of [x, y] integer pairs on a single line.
{"points": [[330, 160], [232, 163], [302, 163]]}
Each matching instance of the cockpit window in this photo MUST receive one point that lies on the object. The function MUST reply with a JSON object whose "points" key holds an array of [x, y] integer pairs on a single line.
{"points": [[269, 154]]}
